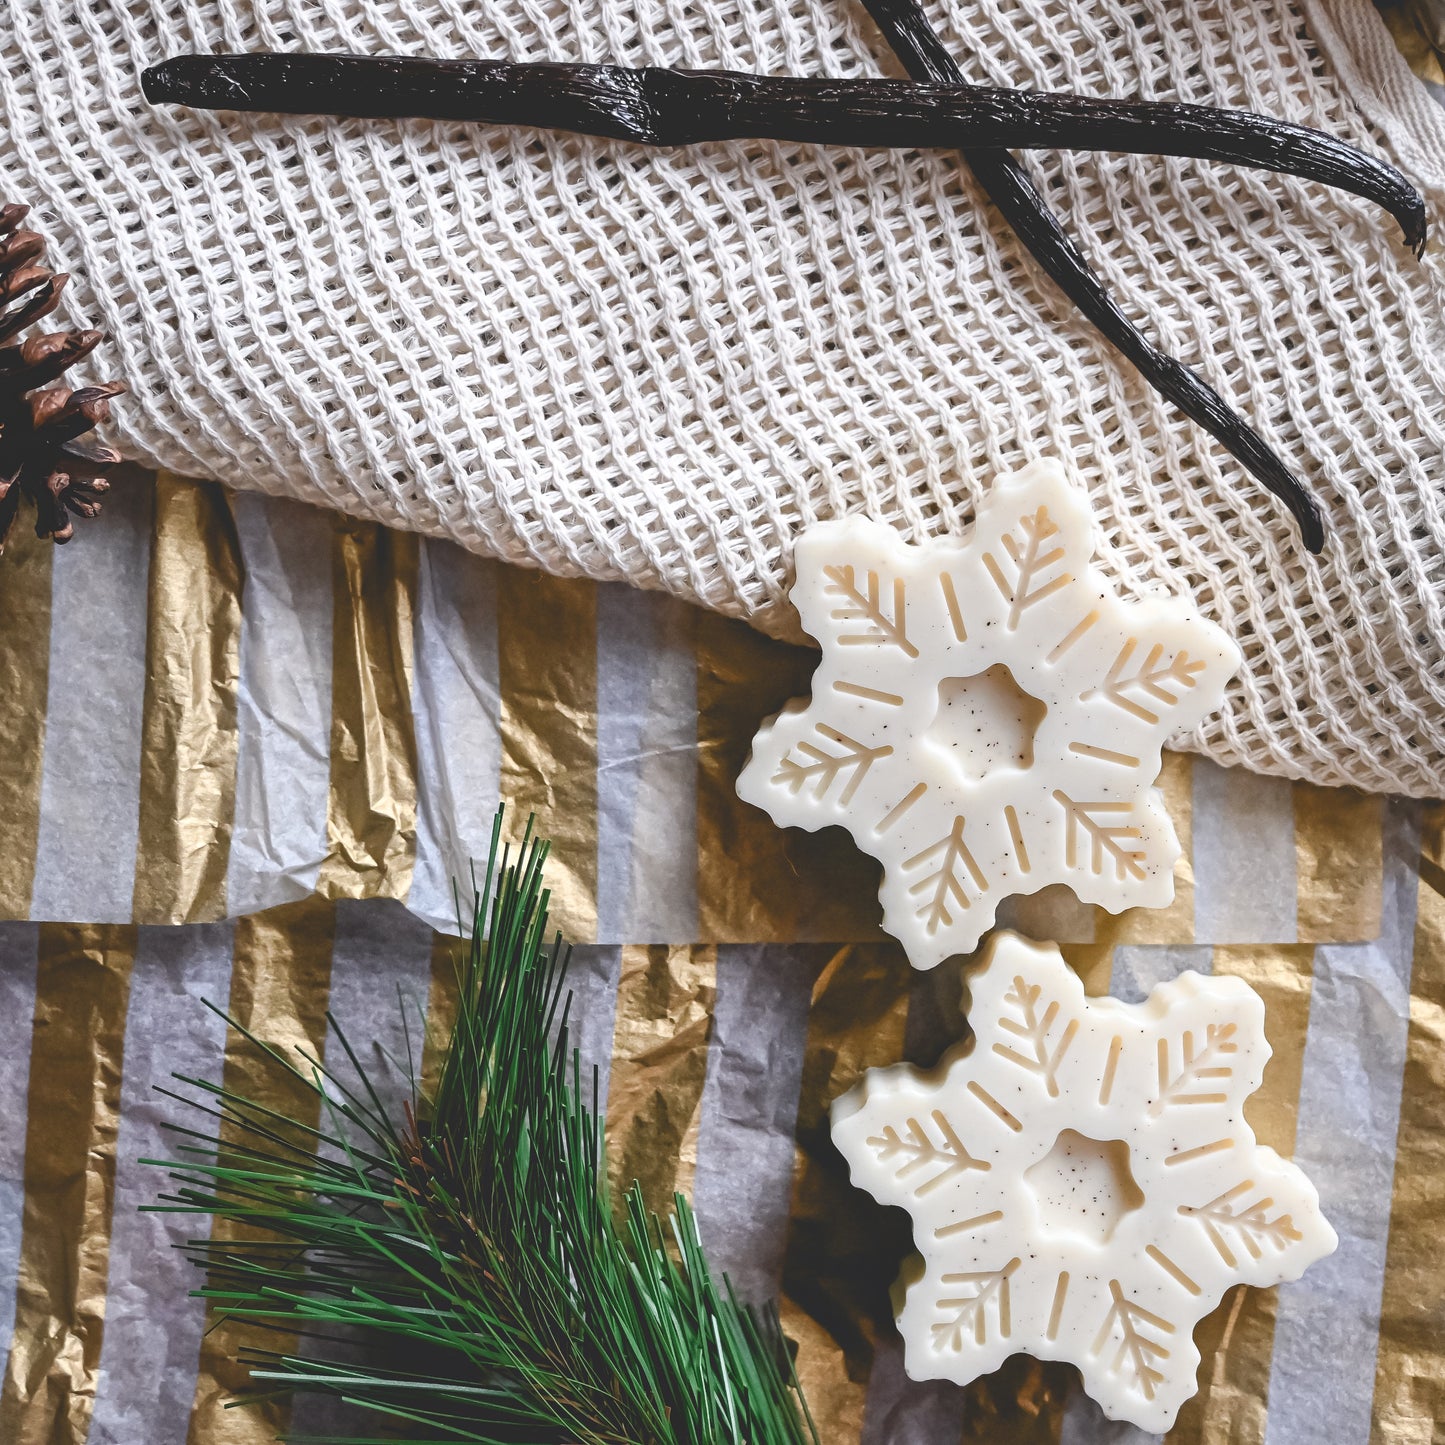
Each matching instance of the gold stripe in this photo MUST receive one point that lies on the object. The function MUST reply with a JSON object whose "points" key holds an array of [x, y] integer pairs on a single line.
{"points": [[665, 999], [1283, 976], [25, 572], [371, 814], [1023, 1402], [1237, 1340], [1409, 1378], [443, 997], [859, 1012], [756, 882], [280, 988], [547, 664], [188, 722], [1416, 30], [73, 1114], [1339, 864], [1094, 963]]}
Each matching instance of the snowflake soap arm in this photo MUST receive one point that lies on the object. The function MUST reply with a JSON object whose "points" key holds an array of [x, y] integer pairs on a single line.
{"points": [[1082, 1180], [988, 715]]}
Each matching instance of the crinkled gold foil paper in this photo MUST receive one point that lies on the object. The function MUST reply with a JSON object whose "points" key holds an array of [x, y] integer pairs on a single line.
{"points": [[81, 993], [1275, 881]]}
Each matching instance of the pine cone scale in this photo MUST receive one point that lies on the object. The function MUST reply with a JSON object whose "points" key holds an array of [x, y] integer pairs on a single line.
{"points": [[42, 303], [46, 452], [84, 411], [20, 247], [84, 456], [41, 359], [14, 284], [45, 406]]}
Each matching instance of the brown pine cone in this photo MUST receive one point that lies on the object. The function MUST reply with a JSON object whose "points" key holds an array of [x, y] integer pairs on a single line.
{"points": [[45, 454]]}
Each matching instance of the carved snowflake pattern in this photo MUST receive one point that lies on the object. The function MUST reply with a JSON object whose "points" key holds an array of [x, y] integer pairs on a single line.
{"points": [[988, 715], [1082, 1181]]}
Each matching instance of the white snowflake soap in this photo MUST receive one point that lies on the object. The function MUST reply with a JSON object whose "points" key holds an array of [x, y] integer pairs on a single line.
{"points": [[988, 714], [1082, 1181]]}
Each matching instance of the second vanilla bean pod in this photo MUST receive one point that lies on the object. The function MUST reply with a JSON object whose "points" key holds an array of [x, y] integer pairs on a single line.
{"points": [[1009, 186]]}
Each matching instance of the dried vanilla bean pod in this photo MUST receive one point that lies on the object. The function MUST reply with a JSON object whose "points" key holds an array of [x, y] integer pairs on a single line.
{"points": [[653, 106], [1010, 188]]}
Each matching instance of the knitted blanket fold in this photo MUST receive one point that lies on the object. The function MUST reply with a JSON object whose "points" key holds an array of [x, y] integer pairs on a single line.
{"points": [[661, 365]]}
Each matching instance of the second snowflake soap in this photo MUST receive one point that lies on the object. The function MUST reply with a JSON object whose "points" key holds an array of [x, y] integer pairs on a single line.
{"points": [[988, 715], [1082, 1180]]}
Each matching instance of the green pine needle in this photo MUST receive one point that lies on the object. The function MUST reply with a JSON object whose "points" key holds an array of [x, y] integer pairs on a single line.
{"points": [[461, 1271]]}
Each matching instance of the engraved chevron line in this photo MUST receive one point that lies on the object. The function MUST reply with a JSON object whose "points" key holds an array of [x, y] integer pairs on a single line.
{"points": [[971, 1310], [1105, 839], [1022, 549], [1250, 1223], [1136, 1348], [1160, 685], [946, 881], [918, 1151], [1034, 1030], [1205, 1067], [823, 769], [866, 605]]}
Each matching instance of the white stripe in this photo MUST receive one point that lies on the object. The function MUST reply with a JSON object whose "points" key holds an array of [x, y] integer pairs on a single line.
{"points": [[646, 768], [900, 1411], [1243, 856], [592, 1018], [90, 766], [457, 710], [283, 763], [380, 978], [1084, 1424], [19, 958], [1322, 1375], [152, 1339], [1138, 968], [743, 1185]]}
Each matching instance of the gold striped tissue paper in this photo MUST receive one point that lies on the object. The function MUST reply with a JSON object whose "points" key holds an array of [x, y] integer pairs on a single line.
{"points": [[248, 747]]}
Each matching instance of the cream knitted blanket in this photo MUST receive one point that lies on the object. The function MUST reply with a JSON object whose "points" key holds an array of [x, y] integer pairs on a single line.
{"points": [[660, 366]]}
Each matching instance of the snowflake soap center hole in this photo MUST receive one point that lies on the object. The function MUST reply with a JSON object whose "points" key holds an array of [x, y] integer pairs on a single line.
{"points": [[1084, 1186], [986, 722]]}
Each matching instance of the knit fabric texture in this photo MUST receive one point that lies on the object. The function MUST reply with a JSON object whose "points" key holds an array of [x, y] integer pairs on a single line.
{"points": [[661, 365]]}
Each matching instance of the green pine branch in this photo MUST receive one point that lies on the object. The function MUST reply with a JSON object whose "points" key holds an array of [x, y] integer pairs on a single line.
{"points": [[460, 1271]]}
